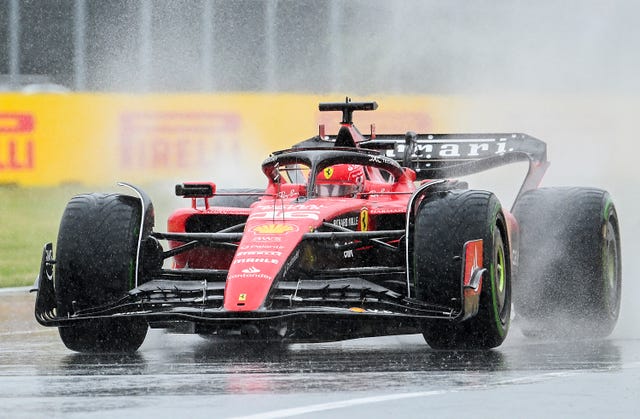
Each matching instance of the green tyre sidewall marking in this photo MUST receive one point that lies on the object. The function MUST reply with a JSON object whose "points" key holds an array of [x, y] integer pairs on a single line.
{"points": [[494, 295], [607, 209]]}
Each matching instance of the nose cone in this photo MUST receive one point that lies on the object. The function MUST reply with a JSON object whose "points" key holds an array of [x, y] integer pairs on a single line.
{"points": [[263, 251]]}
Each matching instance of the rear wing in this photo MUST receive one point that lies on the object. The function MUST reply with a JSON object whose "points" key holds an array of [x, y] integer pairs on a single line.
{"points": [[441, 156], [437, 156]]}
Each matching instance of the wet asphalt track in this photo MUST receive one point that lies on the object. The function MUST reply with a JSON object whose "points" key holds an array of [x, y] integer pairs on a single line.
{"points": [[186, 376]]}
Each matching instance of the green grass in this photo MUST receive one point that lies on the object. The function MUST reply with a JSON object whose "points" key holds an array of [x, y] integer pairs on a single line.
{"points": [[29, 218]]}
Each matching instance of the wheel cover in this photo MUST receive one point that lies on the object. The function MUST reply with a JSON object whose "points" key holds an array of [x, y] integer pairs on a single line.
{"points": [[611, 270], [499, 280]]}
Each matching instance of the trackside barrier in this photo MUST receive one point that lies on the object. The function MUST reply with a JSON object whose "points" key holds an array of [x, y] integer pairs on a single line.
{"points": [[98, 139]]}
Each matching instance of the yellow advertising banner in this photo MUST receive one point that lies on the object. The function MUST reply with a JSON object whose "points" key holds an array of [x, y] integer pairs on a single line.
{"points": [[98, 139]]}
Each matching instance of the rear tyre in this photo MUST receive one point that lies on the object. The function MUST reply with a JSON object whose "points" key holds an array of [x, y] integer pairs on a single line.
{"points": [[443, 225], [569, 278], [95, 265]]}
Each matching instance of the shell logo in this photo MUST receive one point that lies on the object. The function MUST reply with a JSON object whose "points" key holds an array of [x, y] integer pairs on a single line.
{"points": [[274, 228]]}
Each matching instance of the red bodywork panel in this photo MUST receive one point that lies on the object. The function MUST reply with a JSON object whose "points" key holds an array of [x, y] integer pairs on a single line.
{"points": [[277, 223], [275, 226], [272, 234]]}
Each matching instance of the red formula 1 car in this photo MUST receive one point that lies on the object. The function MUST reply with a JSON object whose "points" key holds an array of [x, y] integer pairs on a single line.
{"points": [[353, 236]]}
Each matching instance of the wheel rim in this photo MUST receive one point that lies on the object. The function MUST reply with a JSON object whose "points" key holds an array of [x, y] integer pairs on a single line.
{"points": [[499, 279], [611, 269]]}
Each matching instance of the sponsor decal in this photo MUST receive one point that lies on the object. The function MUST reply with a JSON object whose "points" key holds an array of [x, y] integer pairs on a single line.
{"points": [[17, 147], [364, 220], [272, 247], [348, 254], [346, 221], [176, 140], [286, 207], [258, 253], [283, 215], [255, 260], [249, 276], [251, 270], [291, 194], [274, 228], [454, 148], [388, 210], [267, 239]]}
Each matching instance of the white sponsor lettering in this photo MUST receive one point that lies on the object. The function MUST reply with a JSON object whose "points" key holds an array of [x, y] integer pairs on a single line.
{"points": [[451, 148], [477, 147], [255, 260], [252, 276], [258, 253], [267, 239], [284, 215], [303, 207], [261, 246], [346, 222]]}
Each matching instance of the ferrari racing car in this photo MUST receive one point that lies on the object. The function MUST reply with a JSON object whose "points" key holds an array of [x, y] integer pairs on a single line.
{"points": [[354, 236]]}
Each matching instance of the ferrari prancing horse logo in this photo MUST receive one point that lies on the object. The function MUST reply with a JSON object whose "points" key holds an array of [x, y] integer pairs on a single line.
{"points": [[364, 219], [328, 172]]}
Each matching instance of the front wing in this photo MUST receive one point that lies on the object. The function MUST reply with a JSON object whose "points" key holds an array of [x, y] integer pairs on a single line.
{"points": [[303, 310]]}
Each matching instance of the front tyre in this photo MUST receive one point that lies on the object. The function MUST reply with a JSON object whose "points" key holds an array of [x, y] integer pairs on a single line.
{"points": [[444, 223], [95, 266], [104, 336]]}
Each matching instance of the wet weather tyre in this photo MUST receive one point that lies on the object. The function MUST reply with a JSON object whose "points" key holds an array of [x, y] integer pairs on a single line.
{"points": [[95, 265], [569, 278], [443, 224]]}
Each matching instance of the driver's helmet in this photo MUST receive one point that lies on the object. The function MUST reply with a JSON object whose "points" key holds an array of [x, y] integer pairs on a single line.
{"points": [[344, 180]]}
